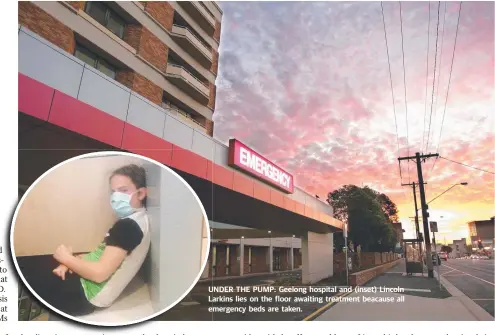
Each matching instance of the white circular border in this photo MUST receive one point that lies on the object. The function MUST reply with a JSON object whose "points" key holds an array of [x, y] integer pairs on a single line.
{"points": [[97, 154]]}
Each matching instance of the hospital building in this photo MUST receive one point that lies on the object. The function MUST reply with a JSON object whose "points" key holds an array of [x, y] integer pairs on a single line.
{"points": [[140, 77]]}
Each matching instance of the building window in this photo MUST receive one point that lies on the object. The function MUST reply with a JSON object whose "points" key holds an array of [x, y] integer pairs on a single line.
{"points": [[95, 61], [106, 17]]}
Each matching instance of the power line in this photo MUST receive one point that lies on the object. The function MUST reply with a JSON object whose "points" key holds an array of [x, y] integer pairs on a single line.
{"points": [[391, 88], [426, 84], [448, 86], [393, 97], [469, 166], [405, 89], [434, 73], [439, 72]]}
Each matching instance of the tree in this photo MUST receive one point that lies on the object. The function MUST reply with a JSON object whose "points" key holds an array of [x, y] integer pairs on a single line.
{"points": [[446, 248], [389, 207], [369, 215]]}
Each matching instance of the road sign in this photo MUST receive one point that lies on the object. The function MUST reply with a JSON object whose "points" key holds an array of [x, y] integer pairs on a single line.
{"points": [[433, 227]]}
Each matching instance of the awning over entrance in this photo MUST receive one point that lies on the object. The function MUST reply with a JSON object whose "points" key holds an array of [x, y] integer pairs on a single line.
{"points": [[43, 145]]}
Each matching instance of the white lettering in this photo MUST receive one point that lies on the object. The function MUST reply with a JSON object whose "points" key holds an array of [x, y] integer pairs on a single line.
{"points": [[263, 167], [258, 165], [244, 154], [253, 162], [276, 175], [270, 171]]}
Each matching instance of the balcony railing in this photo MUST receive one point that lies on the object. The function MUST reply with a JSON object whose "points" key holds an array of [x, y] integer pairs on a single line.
{"points": [[185, 32], [204, 12], [183, 116], [179, 71]]}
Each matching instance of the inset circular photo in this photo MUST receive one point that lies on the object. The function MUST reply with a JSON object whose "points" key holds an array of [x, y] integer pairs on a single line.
{"points": [[110, 238]]}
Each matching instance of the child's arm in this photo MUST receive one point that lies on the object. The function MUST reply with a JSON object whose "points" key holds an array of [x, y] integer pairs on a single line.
{"points": [[95, 271]]}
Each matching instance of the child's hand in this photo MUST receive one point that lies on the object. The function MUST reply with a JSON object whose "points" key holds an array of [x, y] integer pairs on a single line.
{"points": [[62, 253], [60, 271]]}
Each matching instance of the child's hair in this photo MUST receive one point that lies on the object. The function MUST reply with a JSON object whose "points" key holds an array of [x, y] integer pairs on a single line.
{"points": [[135, 173]]}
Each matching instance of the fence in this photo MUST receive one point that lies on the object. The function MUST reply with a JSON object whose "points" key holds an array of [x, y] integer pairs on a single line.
{"points": [[362, 260]]}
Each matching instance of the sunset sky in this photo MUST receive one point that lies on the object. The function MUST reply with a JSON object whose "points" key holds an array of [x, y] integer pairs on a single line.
{"points": [[307, 85]]}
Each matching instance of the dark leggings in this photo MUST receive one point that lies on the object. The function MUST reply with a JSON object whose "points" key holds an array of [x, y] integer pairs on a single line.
{"points": [[64, 295]]}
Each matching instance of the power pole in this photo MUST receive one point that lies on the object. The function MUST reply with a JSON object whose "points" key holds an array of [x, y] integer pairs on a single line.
{"points": [[416, 219], [424, 206]]}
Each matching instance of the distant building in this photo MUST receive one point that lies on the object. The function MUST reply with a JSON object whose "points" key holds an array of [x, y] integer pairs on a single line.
{"points": [[399, 234], [481, 234], [459, 248]]}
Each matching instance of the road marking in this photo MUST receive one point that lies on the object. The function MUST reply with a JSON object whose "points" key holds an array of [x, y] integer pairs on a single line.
{"points": [[321, 309], [482, 299], [468, 274], [448, 272]]}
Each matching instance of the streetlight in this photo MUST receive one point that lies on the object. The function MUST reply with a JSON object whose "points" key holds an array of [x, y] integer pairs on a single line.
{"points": [[451, 187]]}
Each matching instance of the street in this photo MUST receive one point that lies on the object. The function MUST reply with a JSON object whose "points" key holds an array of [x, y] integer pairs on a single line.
{"points": [[474, 278]]}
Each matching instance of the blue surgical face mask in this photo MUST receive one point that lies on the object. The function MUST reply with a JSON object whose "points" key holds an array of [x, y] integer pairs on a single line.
{"points": [[121, 204]]}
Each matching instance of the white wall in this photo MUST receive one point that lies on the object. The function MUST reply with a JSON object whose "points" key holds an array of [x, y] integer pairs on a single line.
{"points": [[70, 205], [317, 257], [178, 240]]}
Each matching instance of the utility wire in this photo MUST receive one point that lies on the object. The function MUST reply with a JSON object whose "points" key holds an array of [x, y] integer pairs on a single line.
{"points": [[391, 88], [469, 166], [426, 84], [434, 74], [393, 97], [405, 89], [448, 86], [439, 72]]}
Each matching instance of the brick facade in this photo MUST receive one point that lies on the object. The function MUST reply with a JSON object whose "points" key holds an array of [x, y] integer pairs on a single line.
{"points": [[153, 50], [362, 277], [78, 5], [209, 127], [212, 98], [41, 23], [132, 35], [221, 261], [214, 63], [147, 45], [259, 262], [162, 12], [140, 85], [218, 30]]}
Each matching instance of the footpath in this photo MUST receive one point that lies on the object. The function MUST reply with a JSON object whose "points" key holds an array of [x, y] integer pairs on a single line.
{"points": [[423, 299]]}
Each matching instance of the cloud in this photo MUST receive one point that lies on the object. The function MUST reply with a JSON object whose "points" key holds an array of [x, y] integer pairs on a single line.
{"points": [[307, 84]]}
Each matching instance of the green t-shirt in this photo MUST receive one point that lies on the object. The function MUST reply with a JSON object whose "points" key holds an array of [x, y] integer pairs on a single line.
{"points": [[91, 289]]}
